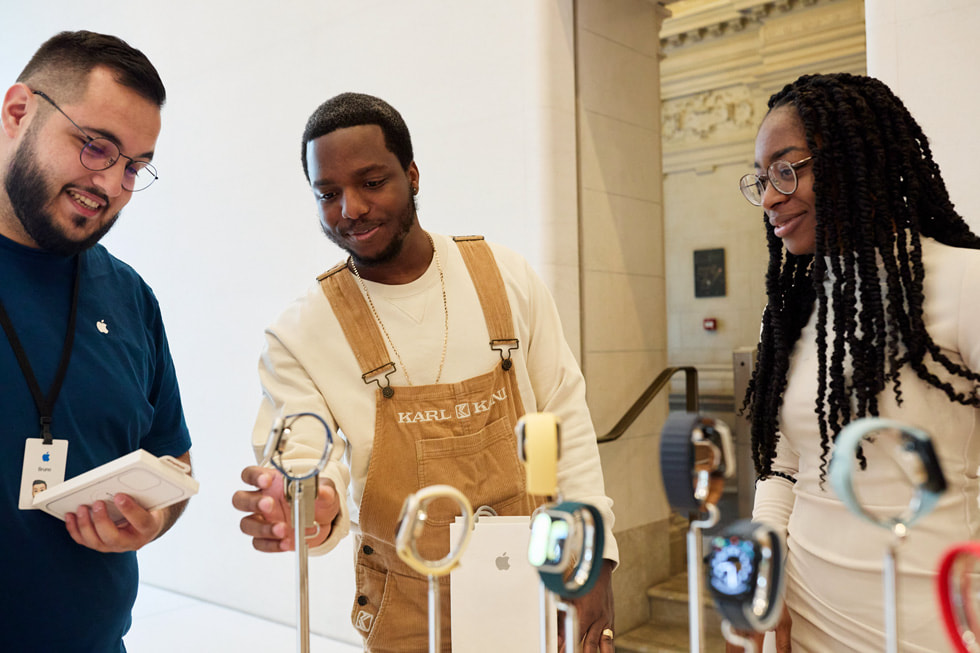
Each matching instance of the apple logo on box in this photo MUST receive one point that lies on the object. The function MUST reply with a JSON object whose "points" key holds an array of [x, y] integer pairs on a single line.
{"points": [[503, 562]]}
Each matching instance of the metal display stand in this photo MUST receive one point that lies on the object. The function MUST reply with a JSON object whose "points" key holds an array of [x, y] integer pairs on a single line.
{"points": [[301, 491], [927, 481], [411, 527], [695, 575], [697, 455]]}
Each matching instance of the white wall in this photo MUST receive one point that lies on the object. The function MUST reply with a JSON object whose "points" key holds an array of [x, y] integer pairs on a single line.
{"points": [[926, 53], [228, 235]]}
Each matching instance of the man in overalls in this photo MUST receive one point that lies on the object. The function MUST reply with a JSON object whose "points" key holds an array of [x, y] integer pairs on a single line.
{"points": [[422, 352]]}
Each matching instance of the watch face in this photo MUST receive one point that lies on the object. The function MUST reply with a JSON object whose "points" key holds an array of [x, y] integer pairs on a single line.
{"points": [[732, 566], [548, 545]]}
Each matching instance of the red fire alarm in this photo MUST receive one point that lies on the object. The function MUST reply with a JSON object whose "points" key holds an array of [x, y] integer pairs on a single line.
{"points": [[710, 324]]}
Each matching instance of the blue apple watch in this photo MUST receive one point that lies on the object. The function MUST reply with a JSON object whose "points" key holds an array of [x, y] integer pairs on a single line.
{"points": [[917, 458], [566, 547], [693, 450], [745, 575]]}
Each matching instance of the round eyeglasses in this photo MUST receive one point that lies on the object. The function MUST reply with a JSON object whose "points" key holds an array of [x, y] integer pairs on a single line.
{"points": [[100, 153], [781, 174]]}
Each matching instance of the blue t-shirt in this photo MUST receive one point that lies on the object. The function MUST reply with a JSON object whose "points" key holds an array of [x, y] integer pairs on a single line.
{"points": [[119, 394]]}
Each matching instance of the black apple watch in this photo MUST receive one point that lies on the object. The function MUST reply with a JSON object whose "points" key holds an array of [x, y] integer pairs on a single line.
{"points": [[693, 450], [745, 575]]}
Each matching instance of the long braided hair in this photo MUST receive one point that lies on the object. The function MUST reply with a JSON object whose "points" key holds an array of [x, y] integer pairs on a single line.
{"points": [[877, 191]]}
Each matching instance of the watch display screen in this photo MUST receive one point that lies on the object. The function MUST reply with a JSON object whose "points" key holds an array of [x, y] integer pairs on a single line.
{"points": [[732, 566], [548, 542]]}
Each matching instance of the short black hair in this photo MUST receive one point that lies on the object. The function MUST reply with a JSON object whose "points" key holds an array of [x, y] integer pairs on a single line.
{"points": [[353, 109], [62, 65]]}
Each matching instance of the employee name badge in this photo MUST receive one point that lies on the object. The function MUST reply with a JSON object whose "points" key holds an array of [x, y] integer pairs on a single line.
{"points": [[44, 467]]}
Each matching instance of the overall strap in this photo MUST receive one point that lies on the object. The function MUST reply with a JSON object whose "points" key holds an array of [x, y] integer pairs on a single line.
{"points": [[493, 295], [358, 324]]}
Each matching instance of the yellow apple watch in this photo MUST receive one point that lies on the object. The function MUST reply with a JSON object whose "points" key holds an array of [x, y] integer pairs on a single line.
{"points": [[539, 448]]}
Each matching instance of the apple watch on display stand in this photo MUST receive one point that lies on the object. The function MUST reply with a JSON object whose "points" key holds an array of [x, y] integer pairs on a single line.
{"points": [[566, 548], [411, 527], [914, 448], [959, 589], [693, 451], [301, 491], [745, 575], [566, 540], [912, 451], [696, 456]]}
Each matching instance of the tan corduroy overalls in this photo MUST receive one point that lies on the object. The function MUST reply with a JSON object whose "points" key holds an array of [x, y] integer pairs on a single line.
{"points": [[460, 434]]}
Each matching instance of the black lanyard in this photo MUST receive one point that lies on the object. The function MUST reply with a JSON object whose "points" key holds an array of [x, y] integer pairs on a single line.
{"points": [[45, 405]]}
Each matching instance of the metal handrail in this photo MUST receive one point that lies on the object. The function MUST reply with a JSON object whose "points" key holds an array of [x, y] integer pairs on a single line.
{"points": [[691, 392]]}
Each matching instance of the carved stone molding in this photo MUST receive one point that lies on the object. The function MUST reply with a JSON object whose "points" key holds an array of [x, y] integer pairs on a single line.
{"points": [[714, 95], [696, 22], [702, 116]]}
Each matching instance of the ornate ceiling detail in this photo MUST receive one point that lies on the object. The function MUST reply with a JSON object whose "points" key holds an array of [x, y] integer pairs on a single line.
{"points": [[733, 55], [698, 22], [704, 115]]}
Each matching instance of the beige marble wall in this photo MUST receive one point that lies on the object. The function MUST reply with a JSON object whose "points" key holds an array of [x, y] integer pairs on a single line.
{"points": [[912, 47], [722, 61], [623, 323], [624, 339]]}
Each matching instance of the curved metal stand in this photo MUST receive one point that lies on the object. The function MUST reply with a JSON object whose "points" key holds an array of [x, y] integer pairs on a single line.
{"points": [[303, 496], [301, 490], [410, 529], [890, 576]]}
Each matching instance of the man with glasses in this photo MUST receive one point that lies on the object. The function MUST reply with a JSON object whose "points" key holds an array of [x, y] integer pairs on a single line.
{"points": [[86, 374]]}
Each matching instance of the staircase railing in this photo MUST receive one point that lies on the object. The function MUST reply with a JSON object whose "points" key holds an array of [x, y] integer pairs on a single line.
{"points": [[633, 412]]}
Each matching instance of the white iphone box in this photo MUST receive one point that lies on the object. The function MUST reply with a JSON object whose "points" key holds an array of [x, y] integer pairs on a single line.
{"points": [[153, 482]]}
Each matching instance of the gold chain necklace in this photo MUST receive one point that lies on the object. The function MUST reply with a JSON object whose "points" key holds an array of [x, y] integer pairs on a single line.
{"points": [[445, 312]]}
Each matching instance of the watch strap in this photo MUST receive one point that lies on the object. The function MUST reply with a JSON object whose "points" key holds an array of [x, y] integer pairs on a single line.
{"points": [[539, 436], [677, 461]]}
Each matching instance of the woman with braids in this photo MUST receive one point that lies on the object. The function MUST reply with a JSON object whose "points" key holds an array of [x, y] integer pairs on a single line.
{"points": [[872, 310]]}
